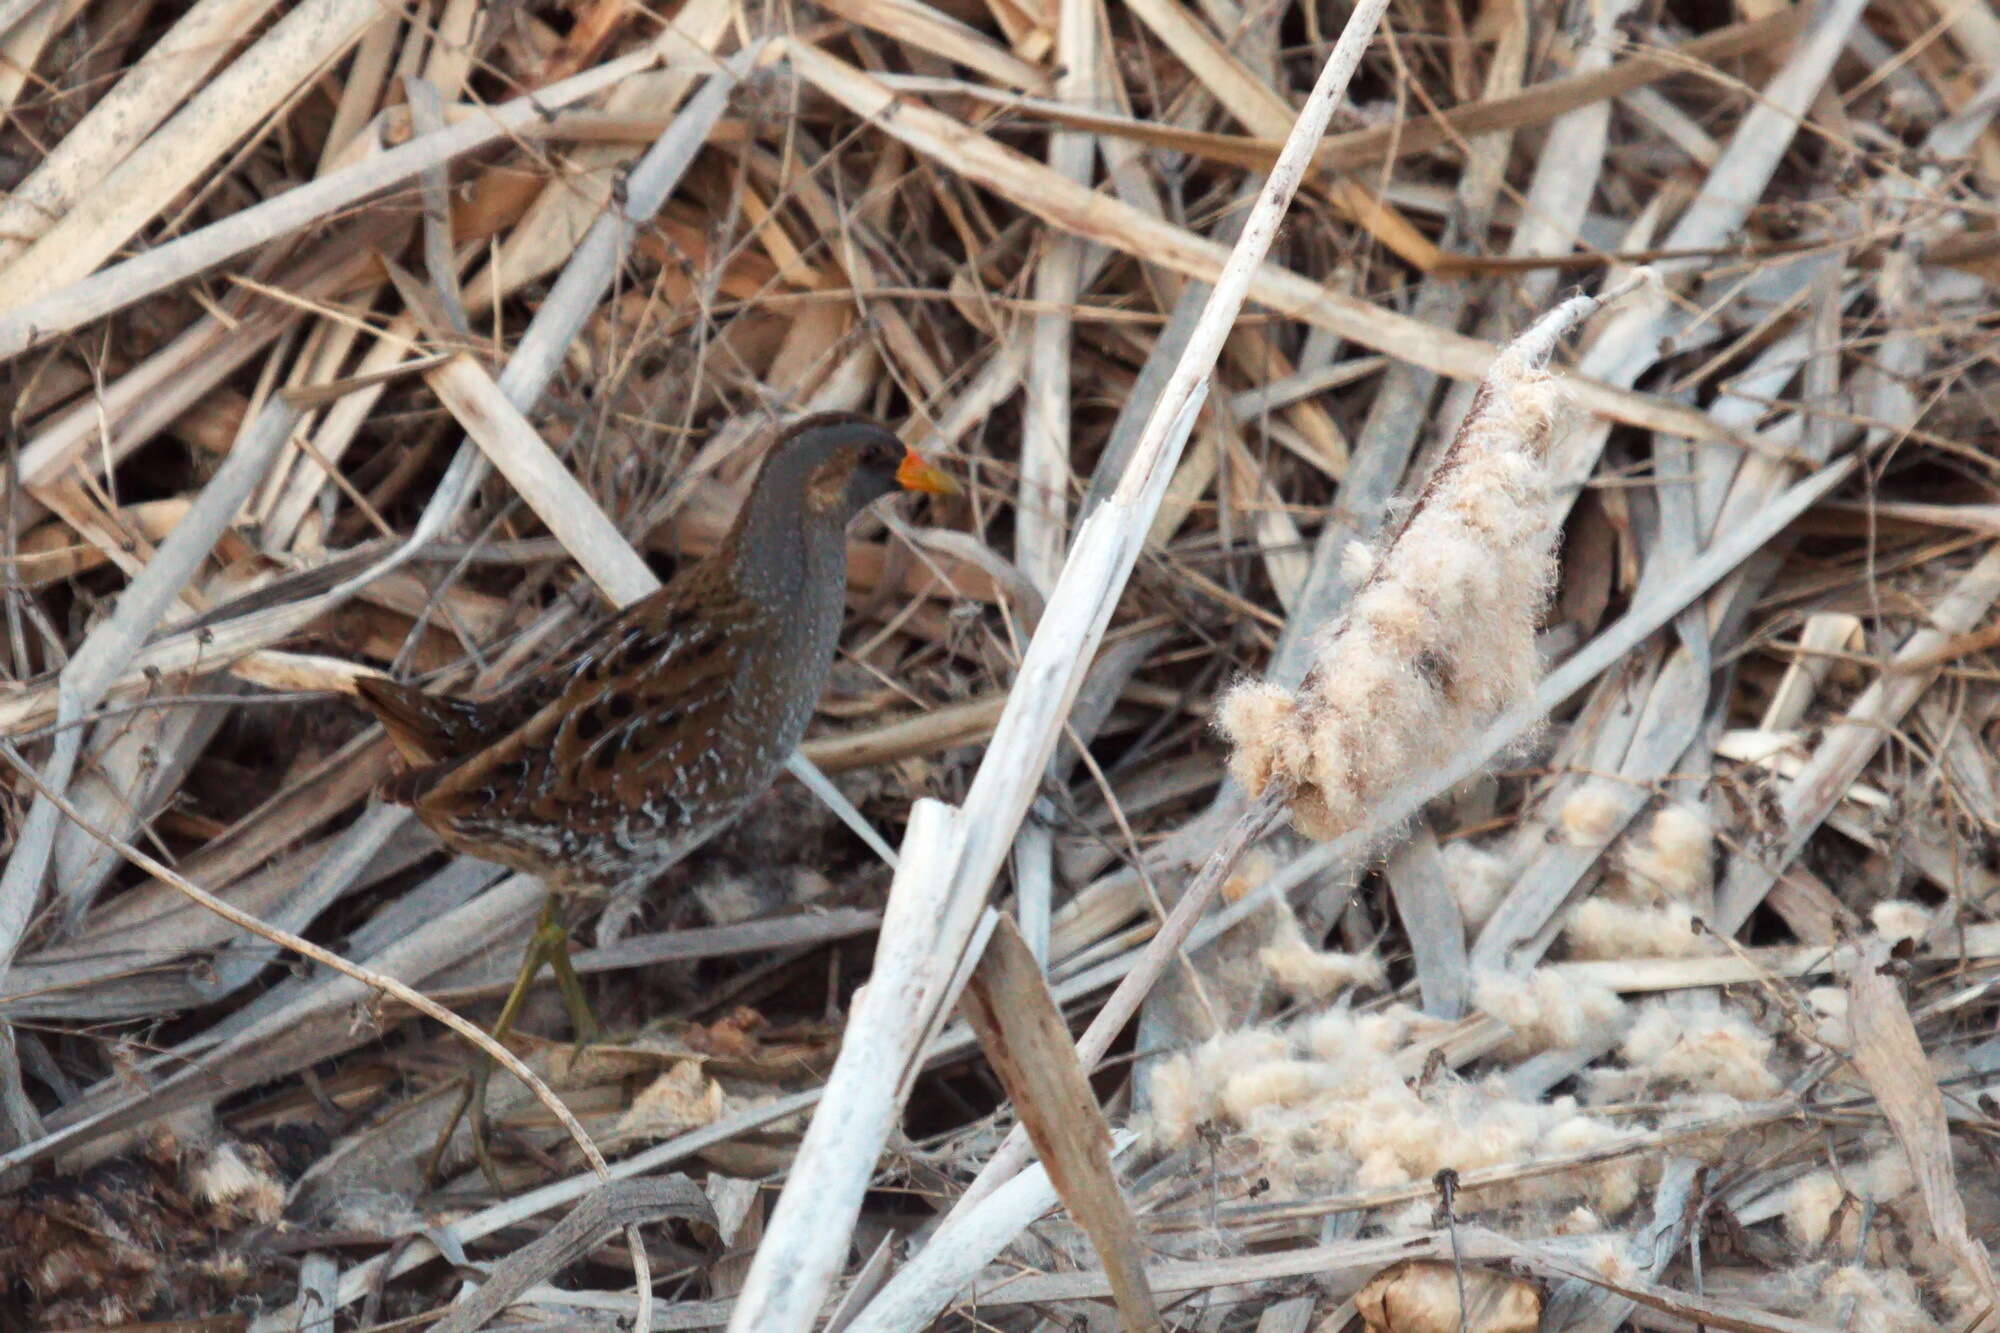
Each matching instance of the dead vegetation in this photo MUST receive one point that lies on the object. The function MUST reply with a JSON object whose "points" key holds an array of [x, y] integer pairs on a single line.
{"points": [[1646, 981]]}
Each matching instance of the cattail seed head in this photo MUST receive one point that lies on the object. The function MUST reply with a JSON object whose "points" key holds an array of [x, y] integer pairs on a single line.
{"points": [[1440, 636]]}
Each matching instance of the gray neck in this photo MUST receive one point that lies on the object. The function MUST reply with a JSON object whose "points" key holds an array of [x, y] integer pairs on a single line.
{"points": [[779, 548]]}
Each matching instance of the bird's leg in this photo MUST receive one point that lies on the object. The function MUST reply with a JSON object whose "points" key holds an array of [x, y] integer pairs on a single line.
{"points": [[549, 944], [581, 1021]]}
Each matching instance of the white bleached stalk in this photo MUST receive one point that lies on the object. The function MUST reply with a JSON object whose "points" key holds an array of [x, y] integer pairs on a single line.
{"points": [[518, 452], [809, 1232], [859, 1104], [1042, 500], [954, 1254]]}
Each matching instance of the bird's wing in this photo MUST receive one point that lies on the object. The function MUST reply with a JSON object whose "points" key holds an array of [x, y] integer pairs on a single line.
{"points": [[435, 733], [636, 714], [438, 731]]}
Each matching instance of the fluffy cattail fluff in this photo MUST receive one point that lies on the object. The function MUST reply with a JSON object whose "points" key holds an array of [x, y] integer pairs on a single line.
{"points": [[1869, 1300], [1813, 1203], [1660, 883], [1600, 928], [1695, 1042], [1325, 1107], [1591, 814], [1186, 1089], [1479, 878], [1545, 1008], [1579, 1221], [1673, 860], [1829, 1007], [1306, 973], [1440, 636], [1810, 1202], [1900, 919], [1357, 562], [234, 1185]]}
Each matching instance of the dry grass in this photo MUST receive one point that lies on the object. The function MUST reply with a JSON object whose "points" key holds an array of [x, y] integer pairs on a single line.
{"points": [[1682, 968]]}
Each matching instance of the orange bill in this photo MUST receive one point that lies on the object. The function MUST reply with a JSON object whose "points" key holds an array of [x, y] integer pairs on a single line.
{"points": [[917, 474]]}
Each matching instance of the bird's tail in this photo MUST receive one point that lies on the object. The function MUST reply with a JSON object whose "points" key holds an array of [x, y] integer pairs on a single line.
{"points": [[426, 729]]}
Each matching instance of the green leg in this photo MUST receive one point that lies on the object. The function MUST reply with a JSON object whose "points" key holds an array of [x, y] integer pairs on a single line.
{"points": [[550, 945], [581, 1021]]}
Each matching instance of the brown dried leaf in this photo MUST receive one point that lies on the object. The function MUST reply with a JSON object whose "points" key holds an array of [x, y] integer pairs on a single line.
{"points": [[1421, 1296], [1889, 1055], [681, 1099], [1025, 1039]]}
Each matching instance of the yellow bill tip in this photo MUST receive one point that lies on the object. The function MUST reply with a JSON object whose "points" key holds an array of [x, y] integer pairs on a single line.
{"points": [[916, 473]]}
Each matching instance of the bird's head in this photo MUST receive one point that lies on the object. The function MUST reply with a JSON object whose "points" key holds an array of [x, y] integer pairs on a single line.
{"points": [[843, 463]]}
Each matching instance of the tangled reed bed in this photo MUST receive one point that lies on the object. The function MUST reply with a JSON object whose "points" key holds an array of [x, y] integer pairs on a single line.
{"points": [[1670, 1004]]}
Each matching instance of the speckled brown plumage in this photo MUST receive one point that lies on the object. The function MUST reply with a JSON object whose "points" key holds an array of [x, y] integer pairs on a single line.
{"points": [[657, 727]]}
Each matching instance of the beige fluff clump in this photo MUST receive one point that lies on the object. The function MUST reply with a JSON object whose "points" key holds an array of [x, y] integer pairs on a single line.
{"points": [[1661, 883], [1602, 928], [1613, 1261], [1357, 562], [1176, 1106], [1829, 1007], [1590, 816], [1545, 1009], [1361, 1041], [1326, 1106], [1694, 1042], [1307, 973], [1615, 1182], [1885, 1176], [1268, 730], [1277, 1083], [1579, 1221], [1674, 858], [1439, 638], [1810, 1202], [1478, 877], [1900, 919], [1184, 1091], [1870, 1300], [222, 1178]]}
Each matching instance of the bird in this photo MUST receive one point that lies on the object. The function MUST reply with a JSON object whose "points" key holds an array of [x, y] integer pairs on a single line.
{"points": [[654, 729]]}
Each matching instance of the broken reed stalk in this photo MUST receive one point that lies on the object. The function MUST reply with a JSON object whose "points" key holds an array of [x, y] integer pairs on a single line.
{"points": [[1506, 432]]}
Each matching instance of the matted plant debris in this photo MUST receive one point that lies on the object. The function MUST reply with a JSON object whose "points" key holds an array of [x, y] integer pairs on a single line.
{"points": [[1643, 975]]}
